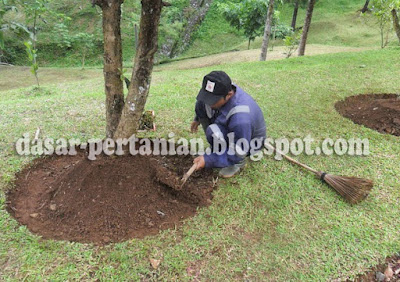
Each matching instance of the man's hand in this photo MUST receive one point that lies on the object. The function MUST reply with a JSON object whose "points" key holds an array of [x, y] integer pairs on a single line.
{"points": [[194, 126], [200, 162]]}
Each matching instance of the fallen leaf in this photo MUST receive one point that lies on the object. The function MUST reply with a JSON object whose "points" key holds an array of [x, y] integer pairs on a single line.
{"points": [[155, 263], [397, 271], [53, 207], [388, 272], [34, 215]]}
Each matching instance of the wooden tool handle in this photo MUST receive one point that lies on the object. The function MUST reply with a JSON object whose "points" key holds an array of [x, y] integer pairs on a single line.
{"points": [[189, 173], [292, 160]]}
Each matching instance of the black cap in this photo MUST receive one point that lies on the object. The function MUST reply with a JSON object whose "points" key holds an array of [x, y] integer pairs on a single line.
{"points": [[216, 85]]}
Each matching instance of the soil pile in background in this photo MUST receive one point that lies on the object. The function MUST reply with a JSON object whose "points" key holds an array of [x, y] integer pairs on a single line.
{"points": [[380, 112], [108, 200]]}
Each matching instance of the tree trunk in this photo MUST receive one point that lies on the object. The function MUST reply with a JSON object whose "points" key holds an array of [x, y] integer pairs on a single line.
{"points": [[267, 31], [306, 28], [34, 62], [274, 37], [112, 63], [37, 79], [136, 37], [365, 8], [141, 76], [34, 30], [382, 28], [191, 23], [396, 23], [295, 11], [248, 44], [83, 59]]}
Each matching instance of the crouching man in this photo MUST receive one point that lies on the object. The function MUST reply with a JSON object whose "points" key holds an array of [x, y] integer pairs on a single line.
{"points": [[233, 123]]}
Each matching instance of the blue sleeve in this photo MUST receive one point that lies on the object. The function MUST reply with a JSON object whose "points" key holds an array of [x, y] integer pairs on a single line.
{"points": [[240, 126]]}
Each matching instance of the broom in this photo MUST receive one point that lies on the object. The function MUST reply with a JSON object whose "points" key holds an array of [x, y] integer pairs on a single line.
{"points": [[352, 189]]}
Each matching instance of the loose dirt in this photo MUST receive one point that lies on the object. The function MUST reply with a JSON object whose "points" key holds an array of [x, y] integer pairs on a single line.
{"points": [[111, 199], [380, 112], [371, 275]]}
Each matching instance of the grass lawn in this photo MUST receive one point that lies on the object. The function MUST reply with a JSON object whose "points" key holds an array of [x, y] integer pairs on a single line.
{"points": [[273, 222]]}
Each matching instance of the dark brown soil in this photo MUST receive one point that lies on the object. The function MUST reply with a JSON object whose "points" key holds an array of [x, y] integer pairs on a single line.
{"points": [[108, 200], [371, 275], [380, 112]]}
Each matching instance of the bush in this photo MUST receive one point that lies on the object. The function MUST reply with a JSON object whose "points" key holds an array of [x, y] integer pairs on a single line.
{"points": [[281, 31]]}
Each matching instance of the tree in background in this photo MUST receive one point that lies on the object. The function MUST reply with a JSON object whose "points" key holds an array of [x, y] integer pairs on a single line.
{"points": [[297, 4], [267, 31], [306, 27], [365, 8], [385, 11], [18, 29], [85, 43], [248, 15], [278, 30], [295, 11], [187, 16], [32, 56], [172, 26], [60, 35], [396, 23], [5, 6], [34, 10], [292, 42], [27, 18]]}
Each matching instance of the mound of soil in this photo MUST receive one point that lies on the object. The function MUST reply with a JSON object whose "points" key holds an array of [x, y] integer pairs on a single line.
{"points": [[108, 200], [380, 112]]}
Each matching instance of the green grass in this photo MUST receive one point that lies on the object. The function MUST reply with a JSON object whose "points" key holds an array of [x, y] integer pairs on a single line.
{"points": [[273, 222]]}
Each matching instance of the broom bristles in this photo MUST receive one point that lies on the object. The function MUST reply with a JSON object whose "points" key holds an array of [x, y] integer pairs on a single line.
{"points": [[352, 189]]}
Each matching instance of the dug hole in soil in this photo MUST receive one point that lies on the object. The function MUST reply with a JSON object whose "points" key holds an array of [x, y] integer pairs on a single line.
{"points": [[111, 199], [380, 112]]}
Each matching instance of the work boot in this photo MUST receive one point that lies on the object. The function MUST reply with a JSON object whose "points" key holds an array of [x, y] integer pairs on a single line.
{"points": [[230, 171]]}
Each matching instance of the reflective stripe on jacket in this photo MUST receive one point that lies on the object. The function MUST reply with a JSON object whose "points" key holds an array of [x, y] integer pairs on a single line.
{"points": [[242, 116]]}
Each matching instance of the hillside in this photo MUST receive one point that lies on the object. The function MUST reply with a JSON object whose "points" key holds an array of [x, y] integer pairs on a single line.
{"points": [[335, 23], [78, 16]]}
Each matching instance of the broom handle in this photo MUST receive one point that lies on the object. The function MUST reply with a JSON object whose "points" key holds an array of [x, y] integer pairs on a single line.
{"points": [[293, 160]]}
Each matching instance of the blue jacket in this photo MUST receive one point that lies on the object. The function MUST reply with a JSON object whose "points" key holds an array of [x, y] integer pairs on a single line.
{"points": [[242, 116]]}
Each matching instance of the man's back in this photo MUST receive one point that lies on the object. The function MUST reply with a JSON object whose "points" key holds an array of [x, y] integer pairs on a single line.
{"points": [[242, 110]]}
